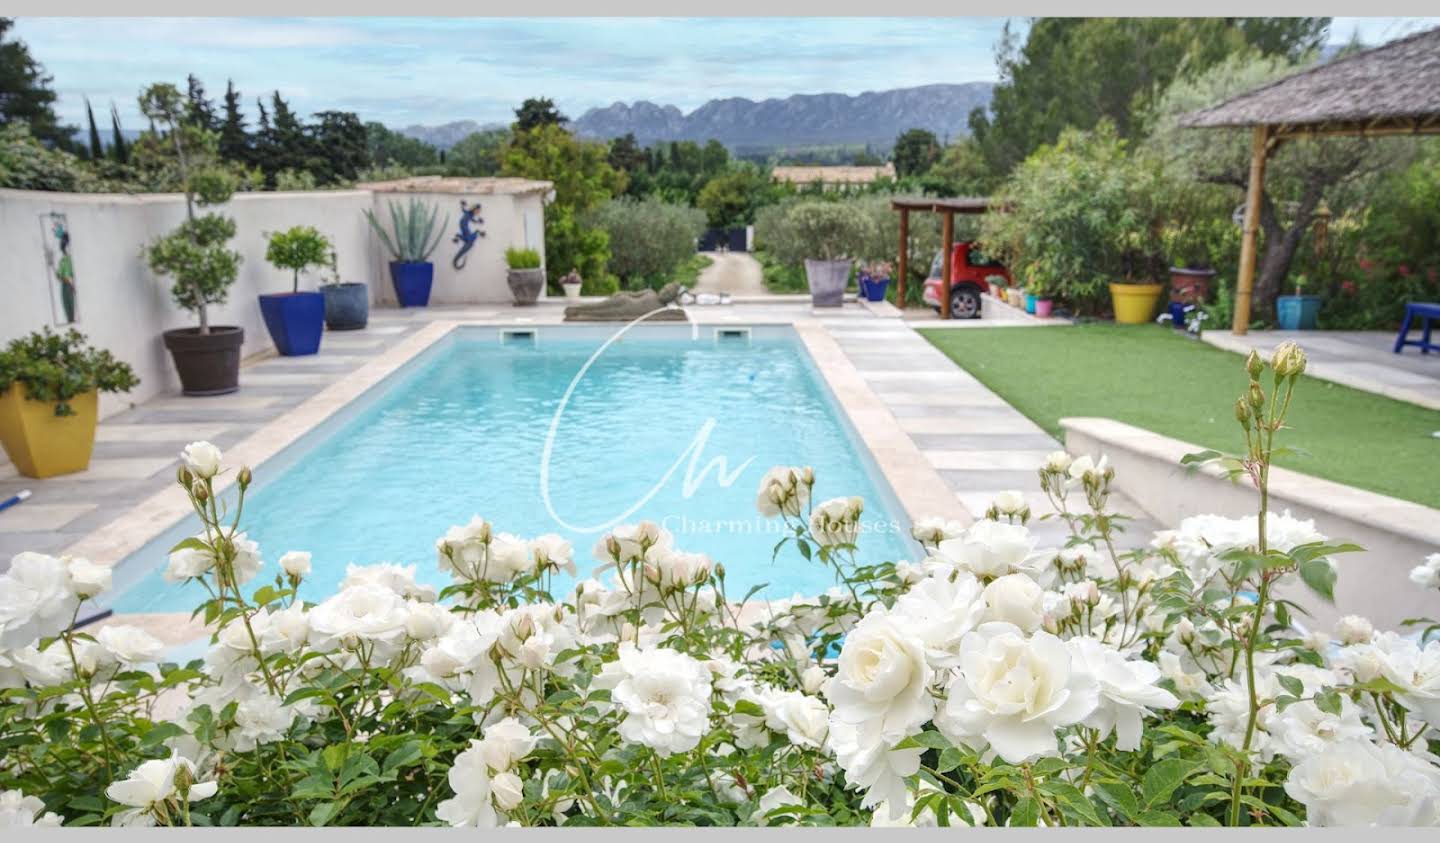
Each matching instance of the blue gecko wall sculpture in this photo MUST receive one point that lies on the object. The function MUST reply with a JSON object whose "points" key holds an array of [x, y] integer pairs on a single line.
{"points": [[468, 234]]}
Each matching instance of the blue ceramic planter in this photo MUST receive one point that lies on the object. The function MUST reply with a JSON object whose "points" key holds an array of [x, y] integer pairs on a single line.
{"points": [[1029, 303], [1297, 313], [873, 289], [412, 282], [295, 321]]}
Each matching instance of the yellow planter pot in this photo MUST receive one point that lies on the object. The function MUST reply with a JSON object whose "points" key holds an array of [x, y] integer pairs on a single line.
{"points": [[42, 444], [1134, 303]]}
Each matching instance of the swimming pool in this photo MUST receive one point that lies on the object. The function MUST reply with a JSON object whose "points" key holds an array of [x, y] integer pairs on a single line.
{"points": [[674, 424]]}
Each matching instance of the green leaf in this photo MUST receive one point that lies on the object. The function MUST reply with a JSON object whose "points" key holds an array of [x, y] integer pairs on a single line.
{"points": [[1158, 818], [932, 740], [1026, 813], [1119, 796], [950, 758], [1201, 457], [1162, 778], [1320, 576], [191, 543], [1293, 685], [324, 812], [409, 753], [1328, 701]]}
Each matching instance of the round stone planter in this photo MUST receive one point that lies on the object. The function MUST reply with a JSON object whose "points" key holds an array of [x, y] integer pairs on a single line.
{"points": [[347, 306], [525, 285]]}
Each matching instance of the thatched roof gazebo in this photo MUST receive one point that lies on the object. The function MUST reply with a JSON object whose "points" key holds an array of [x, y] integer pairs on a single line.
{"points": [[1393, 89]]}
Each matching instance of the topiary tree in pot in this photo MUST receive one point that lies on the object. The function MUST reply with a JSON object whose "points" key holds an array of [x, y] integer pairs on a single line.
{"points": [[830, 235], [206, 357], [295, 319]]}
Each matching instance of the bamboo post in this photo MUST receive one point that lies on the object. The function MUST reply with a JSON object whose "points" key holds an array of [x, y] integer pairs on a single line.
{"points": [[1245, 283], [903, 264], [947, 244]]}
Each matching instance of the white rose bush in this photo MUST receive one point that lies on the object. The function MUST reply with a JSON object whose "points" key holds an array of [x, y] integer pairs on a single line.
{"points": [[988, 681]]}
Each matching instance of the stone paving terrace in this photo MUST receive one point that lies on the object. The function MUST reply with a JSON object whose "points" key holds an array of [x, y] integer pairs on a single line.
{"points": [[977, 443]]}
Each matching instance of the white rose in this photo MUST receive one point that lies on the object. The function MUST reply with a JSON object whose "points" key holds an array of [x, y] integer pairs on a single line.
{"points": [[939, 610], [1014, 692], [1058, 461], [20, 811], [881, 683], [427, 621], [552, 551], [202, 458], [471, 806], [774, 799], [931, 531], [296, 563], [665, 695], [813, 679], [784, 490], [508, 791], [464, 550], [804, 719], [1015, 599], [130, 644], [1009, 503], [990, 549], [1087, 468], [1127, 690], [86, 579], [361, 612], [837, 521], [1353, 629], [35, 599], [153, 782], [1357, 783], [506, 744]]}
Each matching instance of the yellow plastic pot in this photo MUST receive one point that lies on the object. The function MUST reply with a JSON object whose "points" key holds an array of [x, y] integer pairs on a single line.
{"points": [[42, 444], [1134, 303]]}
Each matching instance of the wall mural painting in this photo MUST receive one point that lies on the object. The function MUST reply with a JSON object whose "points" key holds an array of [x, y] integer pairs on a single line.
{"points": [[59, 267], [469, 232]]}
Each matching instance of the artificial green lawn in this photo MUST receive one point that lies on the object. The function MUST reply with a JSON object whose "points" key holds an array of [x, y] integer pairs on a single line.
{"points": [[1149, 376]]}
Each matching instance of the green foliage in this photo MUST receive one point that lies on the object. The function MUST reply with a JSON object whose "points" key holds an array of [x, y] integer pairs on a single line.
{"points": [[26, 164], [648, 238], [916, 151], [390, 148], [816, 230], [522, 258], [26, 97], [194, 254], [296, 180], [297, 249], [536, 112], [412, 225], [56, 367], [583, 180], [477, 154], [1080, 214], [732, 199]]}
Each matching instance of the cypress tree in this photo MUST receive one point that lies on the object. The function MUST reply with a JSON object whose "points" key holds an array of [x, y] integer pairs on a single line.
{"points": [[199, 111], [97, 151], [234, 143], [118, 148]]}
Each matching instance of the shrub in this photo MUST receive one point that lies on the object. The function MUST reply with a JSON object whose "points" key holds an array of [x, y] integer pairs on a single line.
{"points": [[412, 225], [26, 164], [57, 367], [799, 231], [1080, 214], [648, 238], [522, 258], [297, 249]]}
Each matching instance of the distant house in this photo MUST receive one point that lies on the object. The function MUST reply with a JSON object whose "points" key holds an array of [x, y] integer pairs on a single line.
{"points": [[832, 177]]}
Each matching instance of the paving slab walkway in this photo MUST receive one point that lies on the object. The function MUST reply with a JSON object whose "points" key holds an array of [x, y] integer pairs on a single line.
{"points": [[736, 273], [1359, 359]]}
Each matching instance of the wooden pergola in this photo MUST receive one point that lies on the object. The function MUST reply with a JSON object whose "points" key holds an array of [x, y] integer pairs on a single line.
{"points": [[947, 208], [1393, 89]]}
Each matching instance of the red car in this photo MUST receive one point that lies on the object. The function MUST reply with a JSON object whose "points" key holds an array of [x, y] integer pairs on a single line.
{"points": [[969, 269]]}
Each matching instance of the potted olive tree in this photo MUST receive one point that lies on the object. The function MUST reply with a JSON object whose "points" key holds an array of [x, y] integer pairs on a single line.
{"points": [[525, 276], [295, 319], [207, 357], [49, 385], [347, 303], [830, 234], [410, 248]]}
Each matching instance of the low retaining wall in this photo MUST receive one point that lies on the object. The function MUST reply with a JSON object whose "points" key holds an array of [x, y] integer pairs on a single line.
{"points": [[1396, 534]]}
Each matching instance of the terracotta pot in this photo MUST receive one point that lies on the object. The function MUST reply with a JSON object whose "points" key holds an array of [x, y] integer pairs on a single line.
{"points": [[1190, 286]]}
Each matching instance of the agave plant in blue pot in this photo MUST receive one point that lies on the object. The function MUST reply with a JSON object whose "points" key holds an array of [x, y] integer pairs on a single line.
{"points": [[410, 247], [296, 319]]}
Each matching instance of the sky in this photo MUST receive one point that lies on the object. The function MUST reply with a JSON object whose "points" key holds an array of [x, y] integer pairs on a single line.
{"points": [[402, 71]]}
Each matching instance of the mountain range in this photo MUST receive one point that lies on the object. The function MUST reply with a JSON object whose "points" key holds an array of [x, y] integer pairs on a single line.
{"points": [[873, 118], [447, 135]]}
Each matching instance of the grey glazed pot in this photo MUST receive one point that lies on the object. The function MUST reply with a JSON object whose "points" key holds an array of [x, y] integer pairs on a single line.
{"points": [[827, 282], [347, 305], [525, 284]]}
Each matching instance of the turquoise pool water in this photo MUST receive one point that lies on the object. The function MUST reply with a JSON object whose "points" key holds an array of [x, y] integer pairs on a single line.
{"points": [[462, 431]]}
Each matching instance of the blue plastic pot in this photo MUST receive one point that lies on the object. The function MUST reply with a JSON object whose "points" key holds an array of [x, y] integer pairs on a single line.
{"points": [[295, 321], [1297, 313], [873, 289], [1029, 303], [412, 282], [1177, 315]]}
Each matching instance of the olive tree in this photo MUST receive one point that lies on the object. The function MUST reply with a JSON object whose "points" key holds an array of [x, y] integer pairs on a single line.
{"points": [[648, 238]]}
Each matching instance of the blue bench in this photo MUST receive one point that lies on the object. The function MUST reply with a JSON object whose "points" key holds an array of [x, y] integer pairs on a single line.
{"points": [[1424, 311]]}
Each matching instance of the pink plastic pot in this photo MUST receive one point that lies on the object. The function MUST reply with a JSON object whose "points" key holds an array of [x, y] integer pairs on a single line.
{"points": [[1043, 307]]}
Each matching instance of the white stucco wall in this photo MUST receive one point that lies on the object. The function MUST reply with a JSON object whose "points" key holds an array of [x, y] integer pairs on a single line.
{"points": [[122, 306]]}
